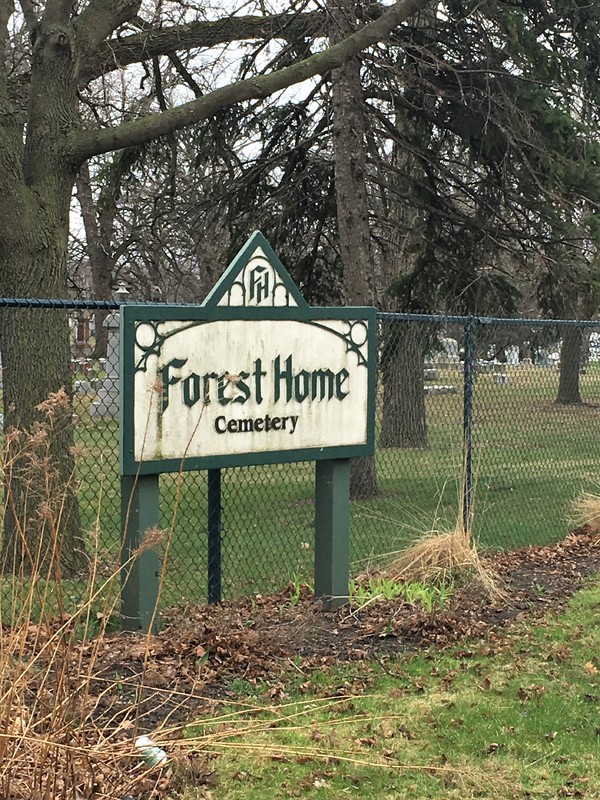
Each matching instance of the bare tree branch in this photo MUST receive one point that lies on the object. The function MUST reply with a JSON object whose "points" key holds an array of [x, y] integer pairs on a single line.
{"points": [[118, 53], [100, 18], [185, 75], [30, 14], [84, 144]]}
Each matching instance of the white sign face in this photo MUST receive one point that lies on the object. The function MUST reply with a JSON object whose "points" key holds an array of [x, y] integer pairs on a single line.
{"points": [[211, 388]]}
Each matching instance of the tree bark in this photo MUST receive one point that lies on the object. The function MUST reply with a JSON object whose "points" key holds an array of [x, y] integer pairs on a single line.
{"points": [[41, 526], [41, 522], [570, 363], [404, 422], [99, 259], [351, 197], [99, 225]]}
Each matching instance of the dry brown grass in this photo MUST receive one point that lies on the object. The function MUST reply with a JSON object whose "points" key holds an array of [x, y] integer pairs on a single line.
{"points": [[443, 557], [585, 510], [62, 735]]}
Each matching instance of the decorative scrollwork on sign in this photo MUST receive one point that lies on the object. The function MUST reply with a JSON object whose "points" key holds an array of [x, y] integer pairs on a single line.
{"points": [[149, 339], [356, 338]]}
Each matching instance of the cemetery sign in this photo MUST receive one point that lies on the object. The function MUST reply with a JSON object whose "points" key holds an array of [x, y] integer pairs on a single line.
{"points": [[253, 376]]}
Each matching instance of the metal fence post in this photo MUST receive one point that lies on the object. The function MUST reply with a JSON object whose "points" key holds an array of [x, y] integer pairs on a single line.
{"points": [[214, 536], [469, 379]]}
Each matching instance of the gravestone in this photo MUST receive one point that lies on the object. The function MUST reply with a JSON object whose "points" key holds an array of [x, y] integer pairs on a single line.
{"points": [[440, 389], [450, 353], [106, 405], [512, 355], [82, 387]]}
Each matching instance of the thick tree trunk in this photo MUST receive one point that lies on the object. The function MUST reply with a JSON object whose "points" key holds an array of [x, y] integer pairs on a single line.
{"points": [[351, 198], [404, 422], [41, 524], [570, 363], [41, 518]]}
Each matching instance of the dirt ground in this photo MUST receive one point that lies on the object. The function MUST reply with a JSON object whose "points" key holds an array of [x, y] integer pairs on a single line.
{"points": [[205, 651]]}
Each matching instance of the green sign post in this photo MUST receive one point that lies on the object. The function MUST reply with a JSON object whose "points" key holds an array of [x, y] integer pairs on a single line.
{"points": [[252, 376]]}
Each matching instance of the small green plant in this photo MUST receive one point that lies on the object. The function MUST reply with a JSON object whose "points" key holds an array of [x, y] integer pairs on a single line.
{"points": [[379, 588], [297, 584], [415, 592], [433, 598]]}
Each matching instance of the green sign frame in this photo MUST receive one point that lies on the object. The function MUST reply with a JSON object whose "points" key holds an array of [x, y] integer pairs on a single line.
{"points": [[150, 314]]}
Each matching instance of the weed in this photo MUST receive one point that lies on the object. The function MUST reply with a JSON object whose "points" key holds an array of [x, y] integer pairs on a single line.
{"points": [[440, 557], [585, 510], [56, 739], [433, 598], [297, 584], [376, 588]]}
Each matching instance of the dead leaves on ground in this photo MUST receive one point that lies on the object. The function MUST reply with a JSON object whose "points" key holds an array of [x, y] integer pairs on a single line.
{"points": [[258, 640]]}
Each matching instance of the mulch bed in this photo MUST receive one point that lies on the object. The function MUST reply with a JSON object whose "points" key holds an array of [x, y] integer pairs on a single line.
{"points": [[201, 649]]}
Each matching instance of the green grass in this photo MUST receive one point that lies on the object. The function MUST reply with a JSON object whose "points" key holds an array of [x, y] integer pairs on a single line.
{"points": [[515, 716], [531, 458]]}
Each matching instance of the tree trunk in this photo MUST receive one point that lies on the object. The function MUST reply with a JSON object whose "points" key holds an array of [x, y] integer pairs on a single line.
{"points": [[41, 524], [351, 197], [404, 422], [570, 363], [99, 258], [99, 223], [41, 513]]}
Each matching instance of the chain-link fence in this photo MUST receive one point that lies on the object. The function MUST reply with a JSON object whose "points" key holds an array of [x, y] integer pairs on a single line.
{"points": [[488, 421], [491, 421]]}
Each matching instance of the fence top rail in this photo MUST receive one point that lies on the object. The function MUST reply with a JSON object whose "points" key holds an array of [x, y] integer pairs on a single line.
{"points": [[113, 305], [69, 304], [498, 321], [38, 302]]}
